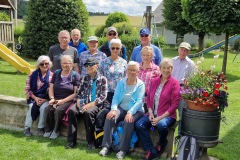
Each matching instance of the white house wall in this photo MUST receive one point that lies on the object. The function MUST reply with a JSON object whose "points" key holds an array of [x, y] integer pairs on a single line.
{"points": [[170, 37]]}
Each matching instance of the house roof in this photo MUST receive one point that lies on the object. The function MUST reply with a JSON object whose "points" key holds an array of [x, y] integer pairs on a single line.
{"points": [[158, 13], [6, 4]]}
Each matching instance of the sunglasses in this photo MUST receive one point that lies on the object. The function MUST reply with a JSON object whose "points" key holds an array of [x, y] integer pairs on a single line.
{"points": [[115, 48], [144, 35], [112, 34], [89, 65], [42, 64]]}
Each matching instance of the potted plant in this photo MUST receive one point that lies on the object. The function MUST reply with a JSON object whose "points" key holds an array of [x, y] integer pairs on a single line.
{"points": [[205, 91]]}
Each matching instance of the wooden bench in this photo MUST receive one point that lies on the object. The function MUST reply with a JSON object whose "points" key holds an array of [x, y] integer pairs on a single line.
{"points": [[12, 116]]}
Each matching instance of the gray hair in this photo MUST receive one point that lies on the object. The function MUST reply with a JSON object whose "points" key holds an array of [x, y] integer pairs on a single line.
{"points": [[166, 60], [41, 59], [77, 30], [67, 57], [63, 31], [116, 41], [133, 63]]}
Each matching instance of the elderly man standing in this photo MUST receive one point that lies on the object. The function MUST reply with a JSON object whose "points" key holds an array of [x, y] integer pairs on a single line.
{"points": [[145, 39], [92, 52], [56, 51], [76, 41], [112, 34], [183, 67]]}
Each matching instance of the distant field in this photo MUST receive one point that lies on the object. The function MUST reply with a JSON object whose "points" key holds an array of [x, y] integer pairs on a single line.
{"points": [[100, 20]]}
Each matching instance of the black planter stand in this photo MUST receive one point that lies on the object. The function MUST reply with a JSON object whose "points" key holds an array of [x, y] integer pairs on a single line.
{"points": [[204, 155]]}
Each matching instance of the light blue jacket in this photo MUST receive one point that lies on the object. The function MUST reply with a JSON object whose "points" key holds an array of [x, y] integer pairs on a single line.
{"points": [[136, 104]]}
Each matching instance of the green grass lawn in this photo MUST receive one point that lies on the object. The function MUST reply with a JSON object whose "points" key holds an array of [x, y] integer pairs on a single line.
{"points": [[13, 143]]}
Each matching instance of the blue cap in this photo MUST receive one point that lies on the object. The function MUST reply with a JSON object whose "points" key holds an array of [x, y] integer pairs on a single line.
{"points": [[144, 31]]}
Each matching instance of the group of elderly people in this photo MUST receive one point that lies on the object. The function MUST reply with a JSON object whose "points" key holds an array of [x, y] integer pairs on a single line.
{"points": [[143, 95]]}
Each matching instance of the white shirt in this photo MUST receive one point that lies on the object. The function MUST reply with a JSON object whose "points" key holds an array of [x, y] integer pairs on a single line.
{"points": [[182, 69]]}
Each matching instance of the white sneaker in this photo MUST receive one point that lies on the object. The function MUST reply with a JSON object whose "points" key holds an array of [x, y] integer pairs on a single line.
{"points": [[47, 134], [54, 135], [105, 151]]}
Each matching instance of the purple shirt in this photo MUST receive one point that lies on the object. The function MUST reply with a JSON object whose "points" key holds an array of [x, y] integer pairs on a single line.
{"points": [[64, 86]]}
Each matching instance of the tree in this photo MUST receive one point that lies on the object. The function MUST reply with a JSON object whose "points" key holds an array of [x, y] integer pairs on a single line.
{"points": [[222, 16], [174, 21], [46, 18], [116, 17], [22, 9], [172, 13]]}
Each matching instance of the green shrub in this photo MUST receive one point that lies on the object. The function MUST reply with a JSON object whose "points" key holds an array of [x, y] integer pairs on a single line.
{"points": [[130, 41], [160, 40], [18, 32], [99, 32], [236, 45], [46, 18], [208, 43], [4, 16], [101, 41], [116, 17]]}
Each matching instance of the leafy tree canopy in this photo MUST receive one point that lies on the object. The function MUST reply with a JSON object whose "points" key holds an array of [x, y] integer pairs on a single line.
{"points": [[173, 20], [219, 16], [46, 18]]}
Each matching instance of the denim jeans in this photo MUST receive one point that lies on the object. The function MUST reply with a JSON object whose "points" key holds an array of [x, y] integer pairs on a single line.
{"points": [[142, 127], [29, 121]]}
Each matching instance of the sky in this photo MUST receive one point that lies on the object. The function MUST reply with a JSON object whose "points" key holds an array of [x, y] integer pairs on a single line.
{"points": [[129, 7]]}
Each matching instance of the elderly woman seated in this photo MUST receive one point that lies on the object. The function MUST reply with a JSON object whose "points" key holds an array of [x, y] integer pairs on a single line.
{"points": [[36, 90], [162, 103], [90, 97], [62, 91], [126, 105]]}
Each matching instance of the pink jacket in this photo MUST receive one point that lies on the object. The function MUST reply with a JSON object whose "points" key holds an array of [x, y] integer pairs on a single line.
{"points": [[169, 98]]}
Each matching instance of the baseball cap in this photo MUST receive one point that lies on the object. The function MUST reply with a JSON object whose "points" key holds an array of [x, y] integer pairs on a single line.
{"points": [[91, 60], [111, 29], [92, 38], [144, 31], [185, 45]]}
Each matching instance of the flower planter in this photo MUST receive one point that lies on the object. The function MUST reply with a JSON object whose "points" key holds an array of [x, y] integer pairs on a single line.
{"points": [[204, 126], [198, 107]]}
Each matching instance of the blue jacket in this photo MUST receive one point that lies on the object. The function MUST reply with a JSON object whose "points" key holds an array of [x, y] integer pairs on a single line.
{"points": [[136, 104]]}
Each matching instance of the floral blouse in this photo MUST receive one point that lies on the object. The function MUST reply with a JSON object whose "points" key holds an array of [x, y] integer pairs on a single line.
{"points": [[114, 71]]}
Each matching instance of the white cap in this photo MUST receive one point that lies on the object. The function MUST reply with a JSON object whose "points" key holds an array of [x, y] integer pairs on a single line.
{"points": [[185, 45], [92, 38]]}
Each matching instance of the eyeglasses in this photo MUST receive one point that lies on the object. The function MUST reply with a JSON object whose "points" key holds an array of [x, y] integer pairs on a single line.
{"points": [[89, 65], [65, 63], [42, 64], [112, 34], [133, 70], [144, 35], [115, 48]]}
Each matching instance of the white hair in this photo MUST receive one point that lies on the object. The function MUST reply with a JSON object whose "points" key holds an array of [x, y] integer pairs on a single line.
{"points": [[67, 57], [41, 59], [133, 63], [166, 60], [116, 41]]}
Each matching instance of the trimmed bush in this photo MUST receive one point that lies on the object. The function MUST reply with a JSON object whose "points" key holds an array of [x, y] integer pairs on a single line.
{"points": [[116, 17], [99, 32], [46, 18]]}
